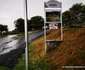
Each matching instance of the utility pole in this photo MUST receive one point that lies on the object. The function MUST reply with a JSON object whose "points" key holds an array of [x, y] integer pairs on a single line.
{"points": [[26, 33]]}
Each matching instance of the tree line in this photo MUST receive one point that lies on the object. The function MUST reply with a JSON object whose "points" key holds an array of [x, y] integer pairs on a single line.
{"points": [[35, 23], [75, 16]]}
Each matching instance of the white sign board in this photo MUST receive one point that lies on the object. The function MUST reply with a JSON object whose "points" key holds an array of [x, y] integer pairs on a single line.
{"points": [[52, 4]]}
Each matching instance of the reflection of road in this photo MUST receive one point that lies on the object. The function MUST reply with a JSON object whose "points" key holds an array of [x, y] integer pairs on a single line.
{"points": [[11, 49]]}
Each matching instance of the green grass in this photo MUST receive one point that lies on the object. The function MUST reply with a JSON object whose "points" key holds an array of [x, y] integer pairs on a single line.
{"points": [[21, 65], [33, 65], [36, 64], [19, 36], [35, 31], [4, 68], [2, 35]]}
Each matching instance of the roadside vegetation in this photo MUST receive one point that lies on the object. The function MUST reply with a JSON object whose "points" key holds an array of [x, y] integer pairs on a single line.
{"points": [[34, 31], [4, 68], [70, 52], [74, 16], [33, 64], [3, 35], [19, 36]]}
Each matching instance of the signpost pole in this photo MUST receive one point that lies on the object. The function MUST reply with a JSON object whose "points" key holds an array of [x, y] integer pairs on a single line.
{"points": [[45, 30], [61, 24], [26, 34]]}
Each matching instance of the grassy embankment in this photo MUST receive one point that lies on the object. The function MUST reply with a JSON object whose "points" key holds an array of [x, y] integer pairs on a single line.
{"points": [[71, 52]]}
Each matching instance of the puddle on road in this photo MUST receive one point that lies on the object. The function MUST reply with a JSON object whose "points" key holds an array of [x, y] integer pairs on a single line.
{"points": [[6, 39], [14, 44]]}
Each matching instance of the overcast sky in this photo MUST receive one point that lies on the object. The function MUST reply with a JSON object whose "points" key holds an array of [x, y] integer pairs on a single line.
{"points": [[10, 10]]}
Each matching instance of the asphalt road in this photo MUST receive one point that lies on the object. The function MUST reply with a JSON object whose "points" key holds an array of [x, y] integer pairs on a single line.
{"points": [[11, 49]]}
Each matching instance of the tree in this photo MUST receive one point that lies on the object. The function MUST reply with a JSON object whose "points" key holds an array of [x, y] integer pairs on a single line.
{"points": [[67, 15], [76, 8], [37, 22], [75, 15], [3, 28], [77, 11], [19, 24], [83, 12]]}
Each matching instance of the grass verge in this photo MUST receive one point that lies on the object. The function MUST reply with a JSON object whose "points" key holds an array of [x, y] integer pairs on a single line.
{"points": [[33, 64], [21, 65], [2, 35], [4, 68], [71, 51], [19, 36]]}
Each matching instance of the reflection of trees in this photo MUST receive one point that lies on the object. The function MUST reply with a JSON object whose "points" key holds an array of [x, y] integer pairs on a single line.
{"points": [[52, 16]]}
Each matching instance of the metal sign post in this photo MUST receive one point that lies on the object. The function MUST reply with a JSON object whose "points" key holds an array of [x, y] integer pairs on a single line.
{"points": [[53, 20], [61, 24], [26, 34]]}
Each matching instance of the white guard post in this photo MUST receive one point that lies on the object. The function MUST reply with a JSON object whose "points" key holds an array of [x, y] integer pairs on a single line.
{"points": [[53, 18]]}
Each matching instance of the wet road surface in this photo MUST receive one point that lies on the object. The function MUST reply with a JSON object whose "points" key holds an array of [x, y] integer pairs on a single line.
{"points": [[11, 49], [10, 43]]}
